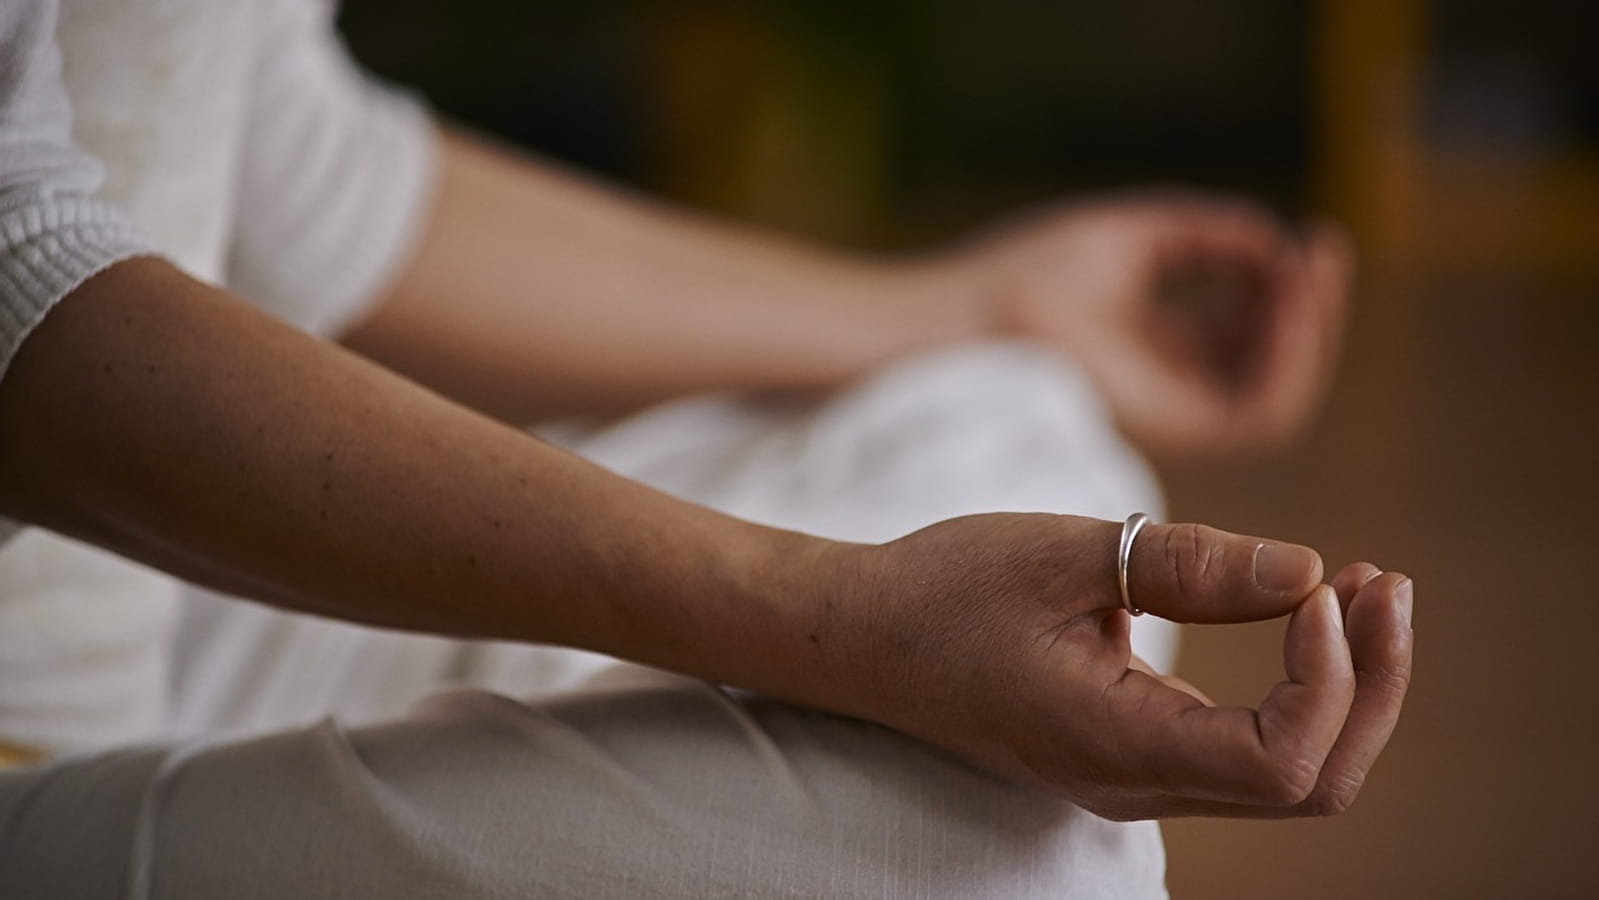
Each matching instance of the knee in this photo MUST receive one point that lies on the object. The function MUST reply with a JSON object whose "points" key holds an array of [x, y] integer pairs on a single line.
{"points": [[675, 789], [698, 791], [782, 802], [986, 427]]}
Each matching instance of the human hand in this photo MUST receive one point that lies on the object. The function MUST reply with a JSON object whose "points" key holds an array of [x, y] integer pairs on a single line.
{"points": [[1002, 637], [1207, 326]]}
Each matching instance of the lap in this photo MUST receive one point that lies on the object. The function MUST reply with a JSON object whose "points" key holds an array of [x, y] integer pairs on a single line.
{"points": [[972, 429], [608, 780], [645, 785]]}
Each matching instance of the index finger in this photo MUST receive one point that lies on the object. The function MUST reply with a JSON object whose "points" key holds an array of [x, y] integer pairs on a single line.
{"points": [[1271, 756], [1381, 644], [1378, 623]]}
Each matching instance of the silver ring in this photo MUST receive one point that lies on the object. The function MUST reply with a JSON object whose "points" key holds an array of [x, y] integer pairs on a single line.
{"points": [[1130, 529]]}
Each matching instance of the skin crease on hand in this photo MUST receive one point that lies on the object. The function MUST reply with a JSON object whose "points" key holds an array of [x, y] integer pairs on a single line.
{"points": [[1016, 648]]}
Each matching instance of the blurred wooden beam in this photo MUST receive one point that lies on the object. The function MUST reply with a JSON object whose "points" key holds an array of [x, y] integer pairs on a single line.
{"points": [[1367, 98]]}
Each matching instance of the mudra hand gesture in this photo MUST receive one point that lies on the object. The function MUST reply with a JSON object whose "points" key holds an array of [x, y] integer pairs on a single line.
{"points": [[1004, 637], [1208, 327]]}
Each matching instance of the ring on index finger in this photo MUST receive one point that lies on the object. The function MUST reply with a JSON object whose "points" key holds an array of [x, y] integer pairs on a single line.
{"points": [[1130, 529]]}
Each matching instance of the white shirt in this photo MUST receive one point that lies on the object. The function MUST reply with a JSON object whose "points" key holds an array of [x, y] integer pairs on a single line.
{"points": [[236, 138]]}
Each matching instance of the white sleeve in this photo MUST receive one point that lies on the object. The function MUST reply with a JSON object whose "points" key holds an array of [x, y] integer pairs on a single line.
{"points": [[54, 232], [334, 179]]}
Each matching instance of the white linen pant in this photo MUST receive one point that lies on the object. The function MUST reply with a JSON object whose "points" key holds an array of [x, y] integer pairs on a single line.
{"points": [[312, 759]]}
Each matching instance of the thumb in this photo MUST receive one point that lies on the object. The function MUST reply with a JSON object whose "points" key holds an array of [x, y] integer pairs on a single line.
{"points": [[1195, 573]]}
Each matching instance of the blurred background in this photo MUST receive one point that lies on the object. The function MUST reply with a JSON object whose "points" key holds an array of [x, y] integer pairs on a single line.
{"points": [[1459, 139]]}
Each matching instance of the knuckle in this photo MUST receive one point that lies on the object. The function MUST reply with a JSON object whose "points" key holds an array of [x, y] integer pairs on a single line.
{"points": [[1289, 782], [1393, 681], [1197, 557], [1336, 796]]}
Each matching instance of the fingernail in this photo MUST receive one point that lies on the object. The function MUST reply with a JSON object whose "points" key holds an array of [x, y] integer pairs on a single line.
{"points": [[1281, 567], [1335, 610], [1404, 594]]}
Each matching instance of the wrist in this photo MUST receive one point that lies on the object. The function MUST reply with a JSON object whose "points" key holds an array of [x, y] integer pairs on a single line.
{"points": [[1013, 287], [828, 598], [806, 646], [727, 601], [938, 300], [801, 629]]}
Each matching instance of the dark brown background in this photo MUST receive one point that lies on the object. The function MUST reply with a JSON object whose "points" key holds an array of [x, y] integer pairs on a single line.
{"points": [[1459, 139]]}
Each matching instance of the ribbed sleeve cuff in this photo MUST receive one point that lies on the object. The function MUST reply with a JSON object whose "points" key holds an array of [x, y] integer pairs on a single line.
{"points": [[48, 248]]}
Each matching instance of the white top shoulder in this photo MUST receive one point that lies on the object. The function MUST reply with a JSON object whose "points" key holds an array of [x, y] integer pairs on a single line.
{"points": [[54, 231], [335, 172], [235, 137], [308, 178]]}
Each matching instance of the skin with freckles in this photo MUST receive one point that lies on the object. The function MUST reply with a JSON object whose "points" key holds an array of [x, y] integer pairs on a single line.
{"points": [[378, 482], [1000, 637]]}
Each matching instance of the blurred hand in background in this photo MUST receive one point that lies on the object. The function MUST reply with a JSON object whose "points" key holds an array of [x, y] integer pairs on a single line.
{"points": [[1208, 326]]}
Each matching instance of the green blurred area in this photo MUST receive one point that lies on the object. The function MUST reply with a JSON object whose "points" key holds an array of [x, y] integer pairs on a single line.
{"points": [[887, 123]]}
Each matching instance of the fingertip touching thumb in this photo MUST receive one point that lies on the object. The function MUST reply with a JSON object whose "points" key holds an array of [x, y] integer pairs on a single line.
{"points": [[1195, 573]]}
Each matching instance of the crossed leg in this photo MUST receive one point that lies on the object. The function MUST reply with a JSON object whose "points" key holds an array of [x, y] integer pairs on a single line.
{"points": [[634, 782]]}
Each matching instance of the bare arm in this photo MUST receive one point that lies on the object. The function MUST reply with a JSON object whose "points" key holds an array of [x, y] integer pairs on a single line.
{"points": [[1208, 325], [162, 419], [535, 292]]}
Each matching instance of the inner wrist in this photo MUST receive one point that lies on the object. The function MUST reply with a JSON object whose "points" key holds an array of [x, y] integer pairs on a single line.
{"points": [[946, 298], [806, 645]]}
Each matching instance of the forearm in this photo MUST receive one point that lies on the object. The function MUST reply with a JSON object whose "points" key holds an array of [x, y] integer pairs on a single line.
{"points": [[533, 292], [160, 418]]}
